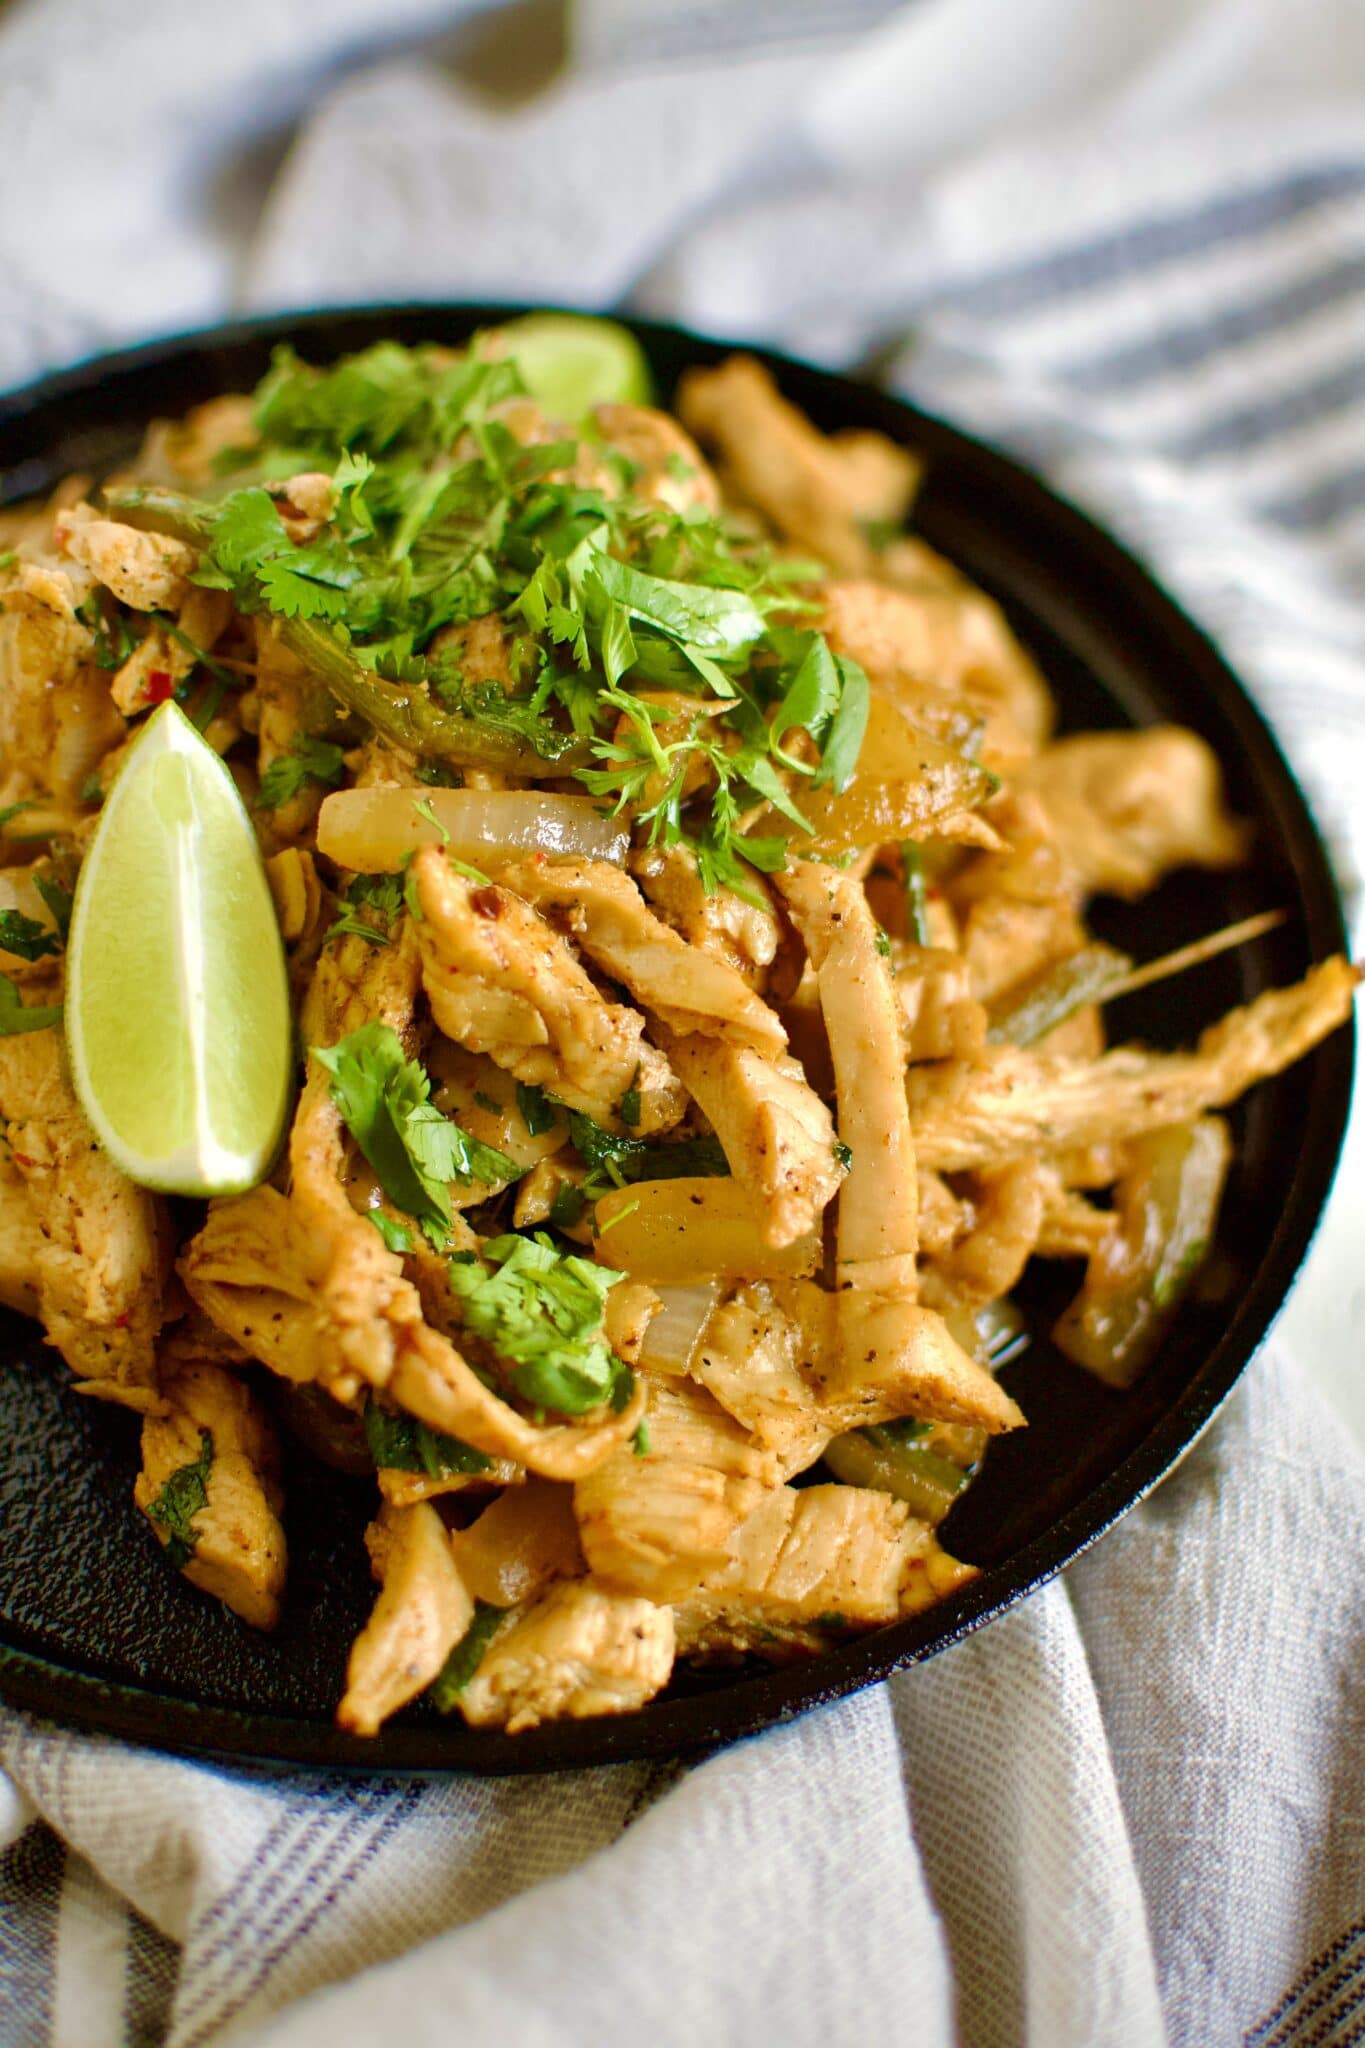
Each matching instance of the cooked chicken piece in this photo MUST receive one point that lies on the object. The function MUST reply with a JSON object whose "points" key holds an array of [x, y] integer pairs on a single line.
{"points": [[581, 1650], [745, 935], [941, 1017], [501, 981], [99, 1273], [878, 1206], [1127, 807], [814, 1558], [162, 659], [657, 1524], [56, 719], [307, 1285], [305, 503], [1014, 1103], [21, 1241], [688, 989], [482, 1099], [539, 1190], [147, 571], [1003, 1225], [524, 1540], [942, 1214], [1006, 942], [297, 894], [777, 1134], [422, 1611], [818, 492], [189, 450], [235, 1546], [771, 1354], [670, 469], [379, 764], [953, 642]]}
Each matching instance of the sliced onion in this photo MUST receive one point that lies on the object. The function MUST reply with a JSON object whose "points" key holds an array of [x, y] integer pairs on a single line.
{"points": [[372, 830], [674, 1331]]}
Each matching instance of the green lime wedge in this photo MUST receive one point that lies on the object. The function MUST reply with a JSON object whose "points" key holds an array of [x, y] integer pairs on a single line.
{"points": [[570, 363], [177, 1001]]}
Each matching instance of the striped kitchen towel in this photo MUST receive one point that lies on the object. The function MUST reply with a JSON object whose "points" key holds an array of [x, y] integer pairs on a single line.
{"points": [[1129, 242]]}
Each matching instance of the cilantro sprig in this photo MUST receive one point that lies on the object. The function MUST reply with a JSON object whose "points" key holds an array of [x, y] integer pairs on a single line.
{"points": [[670, 670], [180, 1500], [400, 1443], [416, 1152], [309, 759], [613, 1160], [541, 1310]]}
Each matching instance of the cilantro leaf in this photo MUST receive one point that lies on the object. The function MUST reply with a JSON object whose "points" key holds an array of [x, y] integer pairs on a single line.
{"points": [[614, 1161], [397, 1237], [538, 1113], [713, 621], [541, 1311], [25, 937], [380, 894], [402, 1443], [180, 1500], [15, 1018], [309, 759], [466, 1657], [414, 1150], [845, 738], [58, 899]]}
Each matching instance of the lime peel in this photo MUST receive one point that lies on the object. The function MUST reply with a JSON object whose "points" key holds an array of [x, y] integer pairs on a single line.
{"points": [[570, 362], [177, 1001]]}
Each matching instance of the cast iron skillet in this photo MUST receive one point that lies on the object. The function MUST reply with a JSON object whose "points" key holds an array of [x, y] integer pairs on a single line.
{"points": [[95, 1631]]}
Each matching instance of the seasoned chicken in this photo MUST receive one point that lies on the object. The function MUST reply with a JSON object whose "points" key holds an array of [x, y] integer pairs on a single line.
{"points": [[147, 571], [21, 1240], [422, 1610], [581, 1650], [525, 1539], [1014, 1103], [1127, 807], [687, 988], [878, 1206], [56, 718], [949, 642], [656, 1524], [501, 981], [812, 1559], [745, 935], [777, 1135], [819, 492], [1003, 1223], [215, 1446], [100, 1270], [669, 467]]}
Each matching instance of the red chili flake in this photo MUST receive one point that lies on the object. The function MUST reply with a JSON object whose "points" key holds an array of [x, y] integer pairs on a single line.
{"points": [[20, 1160], [486, 903], [160, 685], [122, 1322]]}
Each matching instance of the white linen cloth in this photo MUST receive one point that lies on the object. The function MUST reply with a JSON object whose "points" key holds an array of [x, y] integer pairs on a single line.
{"points": [[1129, 242]]}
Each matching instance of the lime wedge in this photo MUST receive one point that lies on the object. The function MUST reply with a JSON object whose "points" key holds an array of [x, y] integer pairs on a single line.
{"points": [[177, 1002], [570, 363]]}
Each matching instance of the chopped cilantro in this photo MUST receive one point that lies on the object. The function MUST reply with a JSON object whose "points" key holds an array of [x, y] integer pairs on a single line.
{"points": [[381, 894], [180, 1500], [396, 1235], [466, 1657], [415, 1151], [400, 1443], [25, 937], [568, 1205], [614, 1161], [11, 811], [640, 1442], [309, 759], [57, 898], [15, 1018], [541, 1311], [630, 1107], [843, 1155], [487, 1102], [538, 1113], [883, 944]]}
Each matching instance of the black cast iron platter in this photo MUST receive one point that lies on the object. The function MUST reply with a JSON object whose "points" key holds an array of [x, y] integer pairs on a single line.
{"points": [[94, 1631]]}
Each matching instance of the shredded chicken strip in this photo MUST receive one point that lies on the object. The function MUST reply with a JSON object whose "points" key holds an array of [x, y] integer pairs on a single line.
{"points": [[99, 1274], [1016, 1103], [688, 989], [239, 1554], [777, 1134], [501, 981], [422, 1611], [581, 1650]]}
